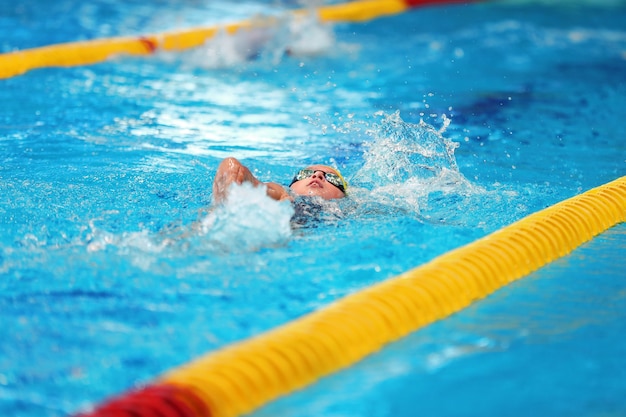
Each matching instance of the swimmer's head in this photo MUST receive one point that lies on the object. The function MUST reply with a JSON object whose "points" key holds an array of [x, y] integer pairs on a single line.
{"points": [[319, 180]]}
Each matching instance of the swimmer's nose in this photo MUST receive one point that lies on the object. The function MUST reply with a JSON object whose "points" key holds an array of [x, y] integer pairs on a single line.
{"points": [[320, 175]]}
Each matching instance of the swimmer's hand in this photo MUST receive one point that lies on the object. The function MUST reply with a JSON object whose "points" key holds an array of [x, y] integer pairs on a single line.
{"points": [[277, 192]]}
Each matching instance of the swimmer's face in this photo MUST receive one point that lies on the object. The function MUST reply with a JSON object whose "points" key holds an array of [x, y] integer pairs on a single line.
{"points": [[317, 184]]}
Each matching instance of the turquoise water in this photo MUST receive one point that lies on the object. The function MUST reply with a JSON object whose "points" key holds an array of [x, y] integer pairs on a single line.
{"points": [[113, 271]]}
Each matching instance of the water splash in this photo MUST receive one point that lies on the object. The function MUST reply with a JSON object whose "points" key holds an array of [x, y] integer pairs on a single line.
{"points": [[412, 168], [247, 221], [307, 36], [226, 50], [268, 39]]}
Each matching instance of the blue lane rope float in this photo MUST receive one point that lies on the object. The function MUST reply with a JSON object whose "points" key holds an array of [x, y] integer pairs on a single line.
{"points": [[242, 377], [99, 50]]}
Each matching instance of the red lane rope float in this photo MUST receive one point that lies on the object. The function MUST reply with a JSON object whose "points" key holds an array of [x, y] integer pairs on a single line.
{"points": [[99, 50], [158, 400], [241, 377]]}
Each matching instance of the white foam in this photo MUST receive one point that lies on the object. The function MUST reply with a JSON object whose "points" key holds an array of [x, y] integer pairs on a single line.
{"points": [[247, 221], [408, 165], [267, 37]]}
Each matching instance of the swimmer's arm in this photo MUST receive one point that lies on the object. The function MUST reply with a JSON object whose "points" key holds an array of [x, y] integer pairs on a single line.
{"points": [[277, 192]]}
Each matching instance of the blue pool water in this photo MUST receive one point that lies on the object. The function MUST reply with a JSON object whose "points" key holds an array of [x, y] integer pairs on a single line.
{"points": [[112, 271]]}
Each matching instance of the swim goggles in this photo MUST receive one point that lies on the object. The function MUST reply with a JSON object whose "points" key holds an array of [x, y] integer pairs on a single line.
{"points": [[332, 178]]}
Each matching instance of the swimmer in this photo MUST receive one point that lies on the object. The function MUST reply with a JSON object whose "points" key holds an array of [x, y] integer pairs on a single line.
{"points": [[315, 180]]}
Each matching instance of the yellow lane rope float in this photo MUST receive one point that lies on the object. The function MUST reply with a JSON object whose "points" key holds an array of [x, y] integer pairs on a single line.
{"points": [[239, 378], [99, 50]]}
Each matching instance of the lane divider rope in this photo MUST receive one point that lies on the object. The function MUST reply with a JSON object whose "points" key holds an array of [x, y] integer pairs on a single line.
{"points": [[99, 50], [242, 377]]}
